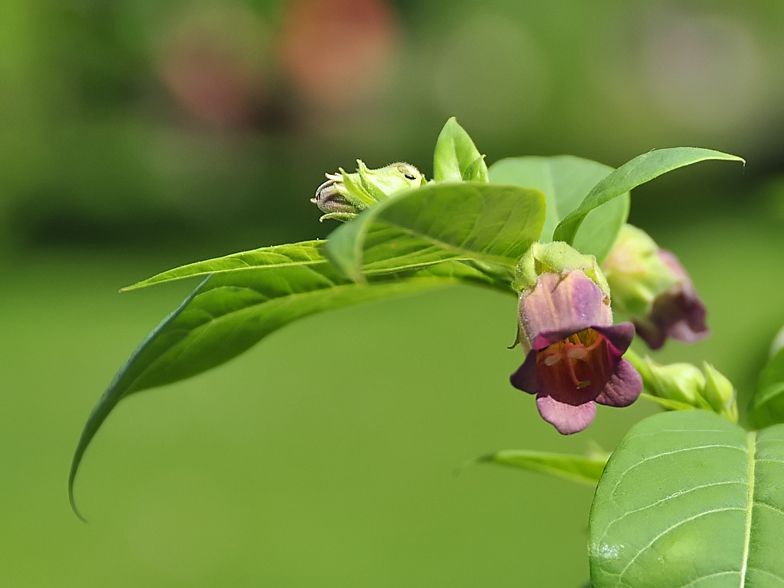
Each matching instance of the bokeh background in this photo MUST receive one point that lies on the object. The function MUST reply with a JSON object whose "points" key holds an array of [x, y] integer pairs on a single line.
{"points": [[138, 135]]}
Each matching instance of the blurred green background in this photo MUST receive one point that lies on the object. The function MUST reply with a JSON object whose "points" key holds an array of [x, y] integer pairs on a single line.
{"points": [[138, 135]]}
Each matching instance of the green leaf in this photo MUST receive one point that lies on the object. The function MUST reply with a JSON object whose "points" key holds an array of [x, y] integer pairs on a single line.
{"points": [[767, 405], [438, 222], [690, 499], [565, 180], [668, 403], [639, 170], [576, 468], [456, 158], [231, 311], [304, 253]]}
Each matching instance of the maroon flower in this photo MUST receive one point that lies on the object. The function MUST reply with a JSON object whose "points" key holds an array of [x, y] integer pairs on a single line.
{"points": [[677, 312], [573, 351]]}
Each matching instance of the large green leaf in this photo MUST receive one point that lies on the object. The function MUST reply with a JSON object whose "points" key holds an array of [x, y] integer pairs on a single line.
{"points": [[767, 406], [459, 221], [689, 499], [304, 253], [565, 181], [456, 158], [576, 468], [639, 170], [231, 311]]}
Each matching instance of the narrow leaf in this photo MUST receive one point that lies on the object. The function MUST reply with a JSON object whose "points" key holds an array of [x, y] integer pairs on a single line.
{"points": [[576, 468], [230, 312], [456, 158], [438, 222], [304, 253], [565, 181], [639, 170], [690, 499]]}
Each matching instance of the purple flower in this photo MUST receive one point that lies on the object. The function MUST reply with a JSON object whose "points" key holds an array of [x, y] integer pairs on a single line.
{"points": [[677, 312], [573, 351], [650, 286]]}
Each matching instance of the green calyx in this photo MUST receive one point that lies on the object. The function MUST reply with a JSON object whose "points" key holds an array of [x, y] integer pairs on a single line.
{"points": [[344, 195], [557, 257]]}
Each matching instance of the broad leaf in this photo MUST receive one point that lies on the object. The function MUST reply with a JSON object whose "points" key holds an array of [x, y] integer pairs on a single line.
{"points": [[586, 470], [767, 406], [565, 181], [639, 170], [451, 221], [690, 499], [304, 253], [456, 158], [230, 312]]}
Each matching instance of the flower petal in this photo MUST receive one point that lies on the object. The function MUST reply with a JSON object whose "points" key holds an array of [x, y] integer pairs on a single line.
{"points": [[619, 337], [525, 377], [562, 304], [623, 388], [565, 417]]}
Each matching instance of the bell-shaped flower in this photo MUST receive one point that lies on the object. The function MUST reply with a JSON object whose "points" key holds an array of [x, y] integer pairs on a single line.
{"points": [[650, 285], [574, 354], [345, 195]]}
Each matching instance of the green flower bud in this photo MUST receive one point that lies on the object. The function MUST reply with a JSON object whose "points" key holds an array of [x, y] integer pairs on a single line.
{"points": [[682, 382], [720, 393], [345, 195]]}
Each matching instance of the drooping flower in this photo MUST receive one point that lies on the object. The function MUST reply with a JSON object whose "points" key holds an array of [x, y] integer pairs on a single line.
{"points": [[345, 195], [574, 354], [651, 286]]}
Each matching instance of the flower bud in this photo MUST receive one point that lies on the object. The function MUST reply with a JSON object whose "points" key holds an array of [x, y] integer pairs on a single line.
{"points": [[720, 393], [573, 351], [687, 385], [650, 285], [345, 195], [677, 381]]}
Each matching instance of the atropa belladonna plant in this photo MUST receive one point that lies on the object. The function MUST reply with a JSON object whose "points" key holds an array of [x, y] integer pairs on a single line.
{"points": [[687, 499]]}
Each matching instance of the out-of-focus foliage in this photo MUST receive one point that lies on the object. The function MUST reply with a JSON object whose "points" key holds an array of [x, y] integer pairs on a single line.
{"points": [[129, 122]]}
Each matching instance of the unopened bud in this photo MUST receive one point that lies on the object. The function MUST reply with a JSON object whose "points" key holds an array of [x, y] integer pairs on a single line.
{"points": [[677, 381], [720, 393], [345, 195]]}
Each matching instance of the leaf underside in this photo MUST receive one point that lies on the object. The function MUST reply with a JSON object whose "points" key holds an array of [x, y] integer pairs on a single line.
{"points": [[231, 311]]}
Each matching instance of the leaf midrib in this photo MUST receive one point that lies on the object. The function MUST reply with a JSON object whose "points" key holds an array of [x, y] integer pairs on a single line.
{"points": [[507, 262], [752, 441]]}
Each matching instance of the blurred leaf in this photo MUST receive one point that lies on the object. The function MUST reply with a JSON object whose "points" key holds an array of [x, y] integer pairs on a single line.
{"points": [[767, 405], [668, 403], [586, 470], [231, 311], [437, 222], [304, 253], [639, 170], [690, 499], [456, 158], [565, 180]]}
